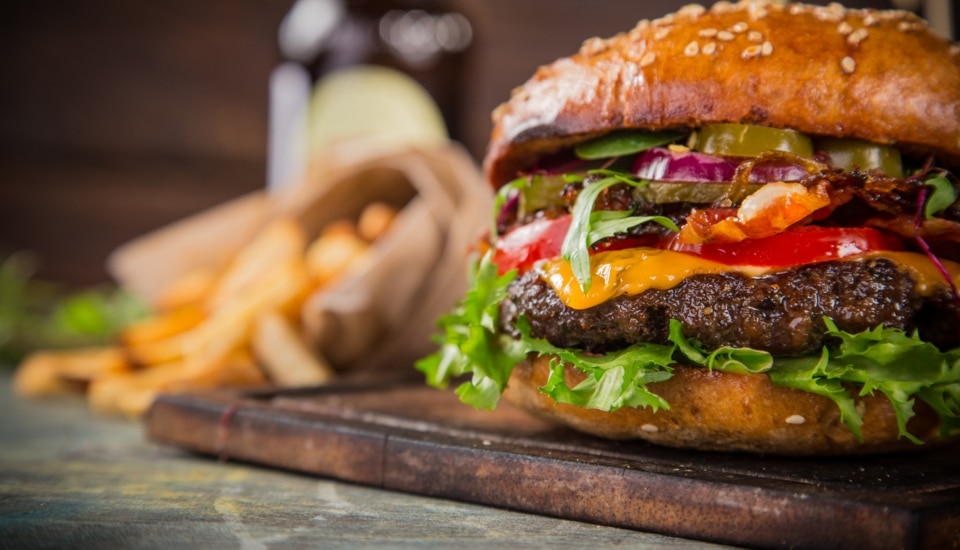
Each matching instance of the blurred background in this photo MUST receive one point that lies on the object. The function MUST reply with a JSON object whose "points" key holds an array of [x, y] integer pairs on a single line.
{"points": [[118, 116]]}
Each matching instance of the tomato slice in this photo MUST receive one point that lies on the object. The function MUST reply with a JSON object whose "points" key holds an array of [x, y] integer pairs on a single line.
{"points": [[522, 247], [798, 246]]}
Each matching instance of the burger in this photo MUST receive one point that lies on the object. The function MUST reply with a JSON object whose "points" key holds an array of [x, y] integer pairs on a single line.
{"points": [[731, 229]]}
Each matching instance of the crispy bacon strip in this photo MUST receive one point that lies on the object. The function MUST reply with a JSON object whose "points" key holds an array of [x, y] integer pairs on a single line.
{"points": [[772, 209]]}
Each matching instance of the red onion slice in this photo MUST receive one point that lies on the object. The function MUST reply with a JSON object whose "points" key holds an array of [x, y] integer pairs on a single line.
{"points": [[660, 164]]}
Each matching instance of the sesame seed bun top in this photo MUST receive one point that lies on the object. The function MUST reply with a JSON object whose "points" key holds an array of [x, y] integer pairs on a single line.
{"points": [[882, 76]]}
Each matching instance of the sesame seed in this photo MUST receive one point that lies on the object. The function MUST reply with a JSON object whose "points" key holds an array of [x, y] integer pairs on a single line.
{"points": [[692, 10], [755, 36], [723, 6], [848, 65], [797, 9], [955, 50], [648, 59], [766, 48], [649, 428], [661, 33], [829, 13], [795, 419], [709, 48], [907, 26], [692, 49], [707, 33], [844, 28], [751, 51], [637, 32], [870, 20], [726, 36], [857, 37], [739, 27], [593, 46]]}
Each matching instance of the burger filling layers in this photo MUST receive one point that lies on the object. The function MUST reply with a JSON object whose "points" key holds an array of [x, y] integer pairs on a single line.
{"points": [[822, 263]]}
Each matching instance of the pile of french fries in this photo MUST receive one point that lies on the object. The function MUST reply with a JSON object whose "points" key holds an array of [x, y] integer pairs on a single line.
{"points": [[235, 328]]}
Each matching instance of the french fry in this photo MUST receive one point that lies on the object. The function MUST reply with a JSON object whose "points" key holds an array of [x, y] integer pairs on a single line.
{"points": [[283, 288], [238, 370], [132, 393], [62, 372], [162, 326], [159, 339], [375, 220], [332, 253], [104, 395], [190, 290], [281, 241], [235, 328], [157, 353], [284, 355]]}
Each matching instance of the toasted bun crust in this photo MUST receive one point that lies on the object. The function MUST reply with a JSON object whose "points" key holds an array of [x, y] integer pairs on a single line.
{"points": [[728, 412], [881, 76]]}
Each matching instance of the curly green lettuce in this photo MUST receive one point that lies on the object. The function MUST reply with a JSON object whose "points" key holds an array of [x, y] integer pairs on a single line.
{"points": [[901, 366]]}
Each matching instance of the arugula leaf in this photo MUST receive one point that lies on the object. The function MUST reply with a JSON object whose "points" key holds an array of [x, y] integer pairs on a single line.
{"points": [[576, 246], [617, 144], [588, 227], [605, 224], [944, 194]]}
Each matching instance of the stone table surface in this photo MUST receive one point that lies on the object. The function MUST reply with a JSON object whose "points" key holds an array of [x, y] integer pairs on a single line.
{"points": [[72, 479]]}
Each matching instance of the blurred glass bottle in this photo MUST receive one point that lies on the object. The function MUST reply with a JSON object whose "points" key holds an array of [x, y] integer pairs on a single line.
{"points": [[425, 40]]}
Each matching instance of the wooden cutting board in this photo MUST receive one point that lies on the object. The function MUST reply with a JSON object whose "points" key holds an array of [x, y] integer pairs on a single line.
{"points": [[419, 440]]}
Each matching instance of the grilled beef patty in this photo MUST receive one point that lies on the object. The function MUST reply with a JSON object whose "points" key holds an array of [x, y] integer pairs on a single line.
{"points": [[781, 313]]}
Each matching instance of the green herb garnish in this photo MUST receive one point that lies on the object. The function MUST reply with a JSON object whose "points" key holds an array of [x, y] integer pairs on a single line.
{"points": [[588, 227], [944, 194], [627, 142]]}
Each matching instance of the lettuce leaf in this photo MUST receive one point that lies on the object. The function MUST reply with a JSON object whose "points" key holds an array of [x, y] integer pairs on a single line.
{"points": [[943, 196], [902, 367], [628, 142], [470, 342]]}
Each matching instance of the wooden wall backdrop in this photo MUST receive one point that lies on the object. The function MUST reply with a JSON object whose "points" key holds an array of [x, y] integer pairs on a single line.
{"points": [[119, 116]]}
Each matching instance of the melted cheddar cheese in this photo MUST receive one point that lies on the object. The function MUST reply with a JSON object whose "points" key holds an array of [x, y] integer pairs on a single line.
{"points": [[632, 271]]}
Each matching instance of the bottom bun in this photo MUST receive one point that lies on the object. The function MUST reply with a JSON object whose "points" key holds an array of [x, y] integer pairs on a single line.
{"points": [[719, 411]]}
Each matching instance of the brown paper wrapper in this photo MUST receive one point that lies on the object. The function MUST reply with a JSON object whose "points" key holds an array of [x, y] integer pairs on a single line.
{"points": [[383, 311]]}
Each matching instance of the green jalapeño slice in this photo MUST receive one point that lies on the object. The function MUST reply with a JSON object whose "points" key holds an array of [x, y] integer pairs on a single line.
{"points": [[746, 140], [855, 153]]}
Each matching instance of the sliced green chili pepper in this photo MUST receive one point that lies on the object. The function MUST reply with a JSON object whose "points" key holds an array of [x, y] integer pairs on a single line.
{"points": [[542, 191], [701, 193], [855, 153], [745, 140]]}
